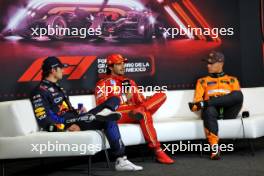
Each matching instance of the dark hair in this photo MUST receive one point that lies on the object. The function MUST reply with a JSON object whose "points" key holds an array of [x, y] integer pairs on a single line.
{"points": [[46, 73]]}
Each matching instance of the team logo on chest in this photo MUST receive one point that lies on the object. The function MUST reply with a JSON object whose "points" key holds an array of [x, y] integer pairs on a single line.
{"points": [[57, 100]]}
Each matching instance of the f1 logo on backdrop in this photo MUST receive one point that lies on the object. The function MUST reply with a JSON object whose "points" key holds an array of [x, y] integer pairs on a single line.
{"points": [[78, 65]]}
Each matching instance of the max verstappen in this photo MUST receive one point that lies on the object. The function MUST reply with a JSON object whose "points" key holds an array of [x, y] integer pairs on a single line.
{"points": [[54, 112]]}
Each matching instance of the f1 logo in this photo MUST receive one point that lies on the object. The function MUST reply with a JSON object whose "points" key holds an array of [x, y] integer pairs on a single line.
{"points": [[78, 65]]}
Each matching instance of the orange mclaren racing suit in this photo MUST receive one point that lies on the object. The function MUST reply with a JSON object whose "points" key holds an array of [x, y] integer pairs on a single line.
{"points": [[149, 105], [224, 99]]}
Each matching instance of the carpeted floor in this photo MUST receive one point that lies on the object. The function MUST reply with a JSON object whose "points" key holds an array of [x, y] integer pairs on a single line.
{"points": [[239, 162]]}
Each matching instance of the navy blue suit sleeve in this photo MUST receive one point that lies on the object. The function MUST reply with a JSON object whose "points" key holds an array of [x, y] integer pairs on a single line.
{"points": [[43, 111]]}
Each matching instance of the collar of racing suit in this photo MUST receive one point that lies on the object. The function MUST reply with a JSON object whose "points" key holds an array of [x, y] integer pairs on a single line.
{"points": [[120, 78], [50, 83], [217, 75]]}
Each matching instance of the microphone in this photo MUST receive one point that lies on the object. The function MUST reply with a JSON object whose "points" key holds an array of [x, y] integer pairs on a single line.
{"points": [[126, 86], [245, 114]]}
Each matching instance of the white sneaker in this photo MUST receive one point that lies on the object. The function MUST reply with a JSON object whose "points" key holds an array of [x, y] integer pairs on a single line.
{"points": [[108, 115], [123, 164]]}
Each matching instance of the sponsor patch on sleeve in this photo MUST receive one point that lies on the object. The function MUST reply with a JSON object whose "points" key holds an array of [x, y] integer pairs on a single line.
{"points": [[112, 82], [39, 109], [41, 114]]}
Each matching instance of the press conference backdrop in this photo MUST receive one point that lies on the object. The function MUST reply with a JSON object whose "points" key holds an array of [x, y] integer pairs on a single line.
{"points": [[157, 56]]}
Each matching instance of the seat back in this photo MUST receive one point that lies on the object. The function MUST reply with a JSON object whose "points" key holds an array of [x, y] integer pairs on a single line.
{"points": [[17, 118]]}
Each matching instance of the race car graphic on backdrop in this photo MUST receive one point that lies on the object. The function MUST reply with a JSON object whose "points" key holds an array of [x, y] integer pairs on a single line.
{"points": [[91, 19]]}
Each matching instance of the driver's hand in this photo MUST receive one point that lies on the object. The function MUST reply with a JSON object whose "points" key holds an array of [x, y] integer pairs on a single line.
{"points": [[74, 127]]}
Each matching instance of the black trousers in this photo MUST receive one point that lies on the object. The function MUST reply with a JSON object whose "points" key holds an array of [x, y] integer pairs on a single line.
{"points": [[110, 127], [226, 107]]}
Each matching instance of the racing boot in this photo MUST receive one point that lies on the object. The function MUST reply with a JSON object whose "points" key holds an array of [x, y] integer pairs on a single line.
{"points": [[215, 155], [162, 157]]}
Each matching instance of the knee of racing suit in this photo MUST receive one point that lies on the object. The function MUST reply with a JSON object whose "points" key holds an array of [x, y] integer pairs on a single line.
{"points": [[237, 96], [147, 117], [112, 103], [114, 138], [154, 102]]}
